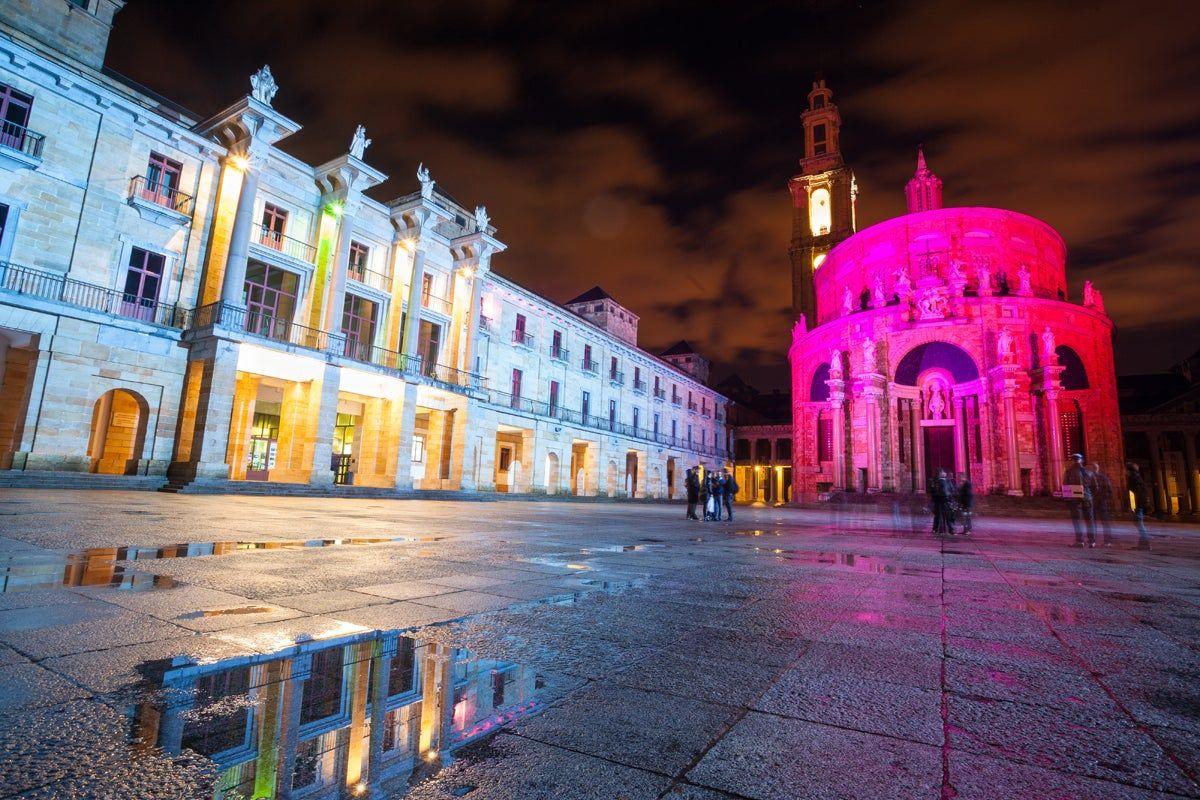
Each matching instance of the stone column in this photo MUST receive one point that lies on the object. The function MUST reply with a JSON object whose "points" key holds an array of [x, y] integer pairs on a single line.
{"points": [[299, 669], [207, 411], [837, 404], [960, 434], [1051, 389], [336, 299], [385, 651], [412, 322], [234, 278], [321, 474], [269, 717], [408, 421], [871, 390], [466, 364], [361, 654], [1156, 464]]}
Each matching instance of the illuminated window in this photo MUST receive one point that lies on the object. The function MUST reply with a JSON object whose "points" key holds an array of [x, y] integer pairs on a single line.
{"points": [[824, 439], [818, 260], [820, 214], [820, 137]]}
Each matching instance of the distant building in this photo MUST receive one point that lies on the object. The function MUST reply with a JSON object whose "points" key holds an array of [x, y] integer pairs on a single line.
{"points": [[1160, 417], [760, 428], [181, 298], [939, 340], [685, 358]]}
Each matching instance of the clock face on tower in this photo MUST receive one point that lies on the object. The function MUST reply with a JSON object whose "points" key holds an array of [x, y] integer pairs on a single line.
{"points": [[820, 214]]}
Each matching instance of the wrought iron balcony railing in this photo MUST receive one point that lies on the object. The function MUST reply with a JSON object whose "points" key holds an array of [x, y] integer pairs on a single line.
{"points": [[264, 326], [368, 277], [560, 353], [436, 304], [522, 338], [616, 377], [294, 248], [591, 366], [160, 194], [692, 407], [19, 138], [639, 386], [56, 286], [485, 324], [676, 400], [660, 394]]}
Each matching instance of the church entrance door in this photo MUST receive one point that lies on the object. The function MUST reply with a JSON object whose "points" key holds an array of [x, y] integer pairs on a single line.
{"points": [[939, 449]]}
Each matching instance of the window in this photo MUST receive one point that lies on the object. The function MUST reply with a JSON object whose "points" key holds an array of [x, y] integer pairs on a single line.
{"points": [[142, 280], [585, 405], [762, 451], [820, 139], [418, 448], [274, 222], [270, 295], [519, 335], [402, 675], [360, 254], [1070, 422], [308, 759], [556, 344], [741, 450], [657, 384], [3, 232], [520, 326], [162, 180], [222, 722], [612, 414], [553, 398], [358, 324], [820, 212], [689, 439], [506, 455], [783, 449], [657, 422], [516, 385], [612, 370], [501, 682], [14, 117], [674, 429], [825, 439], [635, 418], [321, 695], [588, 364]]}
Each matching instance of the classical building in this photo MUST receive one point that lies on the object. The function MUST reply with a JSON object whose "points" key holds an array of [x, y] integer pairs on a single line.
{"points": [[1160, 417], [945, 339], [179, 296], [760, 428]]}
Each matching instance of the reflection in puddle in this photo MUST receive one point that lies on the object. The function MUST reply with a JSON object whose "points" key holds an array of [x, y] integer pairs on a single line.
{"points": [[358, 717], [99, 566]]}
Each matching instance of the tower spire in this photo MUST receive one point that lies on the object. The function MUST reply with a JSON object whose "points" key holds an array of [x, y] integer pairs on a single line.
{"points": [[924, 190]]}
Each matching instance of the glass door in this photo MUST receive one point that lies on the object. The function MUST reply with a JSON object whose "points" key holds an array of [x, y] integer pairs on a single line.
{"points": [[264, 438]]}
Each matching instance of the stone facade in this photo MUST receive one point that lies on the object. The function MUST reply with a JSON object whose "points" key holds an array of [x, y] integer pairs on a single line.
{"points": [[179, 296], [944, 339]]}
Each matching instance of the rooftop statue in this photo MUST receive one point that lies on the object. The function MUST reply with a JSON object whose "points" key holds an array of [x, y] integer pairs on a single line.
{"points": [[263, 86], [481, 218], [359, 142], [427, 182]]}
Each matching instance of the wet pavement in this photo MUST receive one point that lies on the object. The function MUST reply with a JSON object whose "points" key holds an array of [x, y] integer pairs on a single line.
{"points": [[158, 647]]}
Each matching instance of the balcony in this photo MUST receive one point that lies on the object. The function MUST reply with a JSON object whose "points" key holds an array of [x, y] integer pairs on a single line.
{"points": [[591, 367], [639, 386], [660, 394], [560, 354], [379, 281], [676, 400], [292, 248], [438, 305], [486, 325], [158, 201], [19, 146], [264, 326], [692, 407], [522, 339], [616, 378], [59, 288], [379, 356], [704, 412], [447, 377]]}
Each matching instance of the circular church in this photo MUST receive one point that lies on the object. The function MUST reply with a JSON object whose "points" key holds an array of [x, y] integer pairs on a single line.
{"points": [[944, 339]]}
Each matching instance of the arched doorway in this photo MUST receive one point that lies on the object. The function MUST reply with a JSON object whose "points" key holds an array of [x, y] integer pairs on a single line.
{"points": [[631, 474], [552, 473], [118, 432]]}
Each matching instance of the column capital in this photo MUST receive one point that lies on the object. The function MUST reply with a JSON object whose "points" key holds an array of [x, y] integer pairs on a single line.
{"points": [[248, 128], [344, 179]]}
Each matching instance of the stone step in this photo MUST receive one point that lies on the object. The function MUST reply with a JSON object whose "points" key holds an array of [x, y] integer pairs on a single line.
{"points": [[39, 479]]}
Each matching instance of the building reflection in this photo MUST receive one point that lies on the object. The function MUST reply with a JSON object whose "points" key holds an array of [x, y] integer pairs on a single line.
{"points": [[333, 718]]}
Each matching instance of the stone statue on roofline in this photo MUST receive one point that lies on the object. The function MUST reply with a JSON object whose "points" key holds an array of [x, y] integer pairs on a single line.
{"points": [[426, 182], [1049, 350], [878, 295], [359, 142], [263, 86], [800, 328], [847, 301], [983, 275], [1024, 281], [868, 354], [481, 218], [835, 363]]}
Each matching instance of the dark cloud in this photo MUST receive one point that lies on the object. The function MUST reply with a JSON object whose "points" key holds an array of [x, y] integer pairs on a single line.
{"points": [[615, 144]]}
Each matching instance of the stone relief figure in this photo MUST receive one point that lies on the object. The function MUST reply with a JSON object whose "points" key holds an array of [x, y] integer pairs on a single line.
{"points": [[957, 276], [1092, 297], [481, 218], [983, 274], [936, 404], [800, 328], [1024, 283], [903, 282], [931, 305], [847, 301], [1004, 347], [263, 86], [878, 296], [868, 354], [1049, 351], [359, 142], [427, 182], [835, 363]]}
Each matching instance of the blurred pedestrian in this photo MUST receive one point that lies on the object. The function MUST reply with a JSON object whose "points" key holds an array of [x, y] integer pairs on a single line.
{"points": [[691, 483], [966, 505], [731, 490], [1102, 502], [1077, 489], [939, 497], [1141, 501], [705, 494]]}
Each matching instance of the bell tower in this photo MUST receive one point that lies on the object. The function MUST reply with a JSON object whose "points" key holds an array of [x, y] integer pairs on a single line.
{"points": [[823, 197]]}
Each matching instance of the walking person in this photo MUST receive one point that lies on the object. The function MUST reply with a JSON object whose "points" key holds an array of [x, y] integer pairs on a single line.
{"points": [[939, 497], [1077, 488], [692, 485], [966, 505], [1141, 501], [1102, 502], [714, 497], [731, 490], [705, 484]]}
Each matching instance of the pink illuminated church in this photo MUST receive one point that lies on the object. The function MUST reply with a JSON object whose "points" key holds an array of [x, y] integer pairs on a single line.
{"points": [[941, 339]]}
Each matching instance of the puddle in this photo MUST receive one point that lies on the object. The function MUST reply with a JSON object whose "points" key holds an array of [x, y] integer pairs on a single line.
{"points": [[853, 562], [364, 715], [102, 567]]}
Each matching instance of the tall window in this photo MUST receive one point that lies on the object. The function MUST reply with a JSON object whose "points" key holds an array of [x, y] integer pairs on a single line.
{"points": [[585, 405], [689, 439], [824, 439], [553, 398], [820, 213], [612, 368], [403, 672], [321, 695], [674, 429], [357, 266], [274, 223], [657, 422], [612, 414], [635, 418], [637, 375], [142, 280], [657, 384], [14, 116], [820, 134], [358, 324], [556, 344], [162, 180], [516, 385], [1071, 423], [270, 294], [587, 356]]}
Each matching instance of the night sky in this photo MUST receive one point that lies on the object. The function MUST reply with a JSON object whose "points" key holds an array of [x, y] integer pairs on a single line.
{"points": [[646, 147]]}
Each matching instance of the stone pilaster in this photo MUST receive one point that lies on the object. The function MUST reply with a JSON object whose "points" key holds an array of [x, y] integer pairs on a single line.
{"points": [[326, 416]]}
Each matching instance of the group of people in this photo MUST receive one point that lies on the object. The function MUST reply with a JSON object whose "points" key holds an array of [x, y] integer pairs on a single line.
{"points": [[952, 503], [713, 491], [1090, 497]]}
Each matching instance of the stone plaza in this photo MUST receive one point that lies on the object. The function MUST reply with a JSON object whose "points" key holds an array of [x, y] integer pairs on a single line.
{"points": [[620, 650]]}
